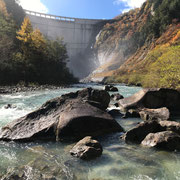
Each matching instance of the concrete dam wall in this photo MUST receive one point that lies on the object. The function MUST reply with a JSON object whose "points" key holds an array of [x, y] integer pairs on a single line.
{"points": [[78, 35]]}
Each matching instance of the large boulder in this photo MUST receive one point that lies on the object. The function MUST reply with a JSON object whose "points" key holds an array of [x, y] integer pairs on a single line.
{"points": [[74, 116], [153, 99], [154, 114], [81, 119], [139, 133], [166, 140], [87, 149]]}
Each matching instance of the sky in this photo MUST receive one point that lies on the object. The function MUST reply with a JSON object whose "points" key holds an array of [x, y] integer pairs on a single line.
{"points": [[91, 9]]}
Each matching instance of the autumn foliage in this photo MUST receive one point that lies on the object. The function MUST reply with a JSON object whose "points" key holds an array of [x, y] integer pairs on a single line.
{"points": [[26, 55], [147, 41]]}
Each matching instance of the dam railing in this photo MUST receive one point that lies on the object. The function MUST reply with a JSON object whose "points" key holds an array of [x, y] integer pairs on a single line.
{"points": [[61, 18], [50, 16]]}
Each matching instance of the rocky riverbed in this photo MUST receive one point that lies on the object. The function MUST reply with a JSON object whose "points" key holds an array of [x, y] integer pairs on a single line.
{"points": [[18, 89], [70, 117]]}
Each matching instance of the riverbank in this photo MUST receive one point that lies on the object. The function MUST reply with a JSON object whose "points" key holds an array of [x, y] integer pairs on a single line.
{"points": [[16, 89]]}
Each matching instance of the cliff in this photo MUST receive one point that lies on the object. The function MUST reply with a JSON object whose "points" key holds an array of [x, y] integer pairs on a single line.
{"points": [[142, 46]]}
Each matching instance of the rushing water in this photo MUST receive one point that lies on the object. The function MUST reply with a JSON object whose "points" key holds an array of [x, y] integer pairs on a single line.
{"points": [[119, 160]]}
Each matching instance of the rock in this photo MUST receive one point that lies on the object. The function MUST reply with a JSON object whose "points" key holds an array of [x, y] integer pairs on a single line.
{"points": [[166, 140], [170, 126], [71, 116], [115, 112], [114, 89], [38, 169], [45, 165], [117, 97], [110, 88], [153, 99], [100, 97], [154, 114], [116, 105], [107, 87], [10, 106], [131, 114], [87, 149], [137, 134]]}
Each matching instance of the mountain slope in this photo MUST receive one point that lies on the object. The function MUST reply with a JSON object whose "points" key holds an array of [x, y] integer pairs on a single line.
{"points": [[130, 47]]}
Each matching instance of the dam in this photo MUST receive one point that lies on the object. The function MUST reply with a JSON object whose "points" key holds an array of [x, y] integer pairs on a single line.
{"points": [[78, 34]]}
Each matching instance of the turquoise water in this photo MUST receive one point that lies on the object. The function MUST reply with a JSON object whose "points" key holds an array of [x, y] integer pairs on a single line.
{"points": [[118, 161]]}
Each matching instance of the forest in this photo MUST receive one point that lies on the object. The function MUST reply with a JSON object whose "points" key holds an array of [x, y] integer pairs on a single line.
{"points": [[27, 57]]}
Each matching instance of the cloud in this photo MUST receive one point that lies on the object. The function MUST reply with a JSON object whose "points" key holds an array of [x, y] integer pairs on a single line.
{"points": [[125, 10], [129, 4], [33, 5]]}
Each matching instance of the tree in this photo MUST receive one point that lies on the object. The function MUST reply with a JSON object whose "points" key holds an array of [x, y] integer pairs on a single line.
{"points": [[15, 11], [39, 43], [24, 34], [25, 54]]}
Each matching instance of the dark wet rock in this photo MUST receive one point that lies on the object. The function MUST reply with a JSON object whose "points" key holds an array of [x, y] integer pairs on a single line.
{"points": [[166, 140], [137, 134], [87, 149], [153, 99], [116, 97], [116, 105], [110, 88], [10, 106], [100, 97], [114, 89], [71, 116], [154, 114], [40, 169], [45, 165], [131, 114], [14, 175], [115, 112]]}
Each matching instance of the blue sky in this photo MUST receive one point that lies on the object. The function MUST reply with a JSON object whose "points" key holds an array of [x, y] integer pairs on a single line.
{"points": [[92, 9]]}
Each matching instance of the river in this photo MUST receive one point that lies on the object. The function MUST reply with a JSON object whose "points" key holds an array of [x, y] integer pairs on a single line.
{"points": [[118, 161]]}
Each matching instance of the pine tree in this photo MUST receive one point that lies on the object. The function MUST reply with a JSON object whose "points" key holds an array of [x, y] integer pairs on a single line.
{"points": [[25, 33], [38, 41]]}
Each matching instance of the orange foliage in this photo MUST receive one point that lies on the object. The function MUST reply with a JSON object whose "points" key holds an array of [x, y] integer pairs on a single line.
{"points": [[177, 37]]}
